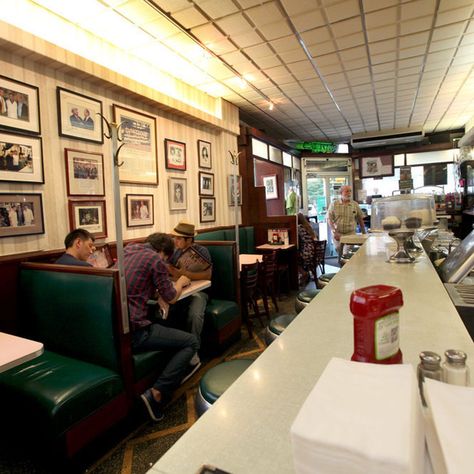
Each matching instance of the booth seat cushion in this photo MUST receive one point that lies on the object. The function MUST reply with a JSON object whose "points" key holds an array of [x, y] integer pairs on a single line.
{"points": [[218, 379], [212, 235], [145, 363], [219, 313], [55, 391]]}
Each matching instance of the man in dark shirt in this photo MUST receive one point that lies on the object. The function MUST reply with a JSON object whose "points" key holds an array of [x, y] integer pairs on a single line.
{"points": [[79, 245], [147, 277]]}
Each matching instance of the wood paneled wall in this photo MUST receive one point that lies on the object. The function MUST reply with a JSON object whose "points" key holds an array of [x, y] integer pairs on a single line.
{"points": [[174, 124]]}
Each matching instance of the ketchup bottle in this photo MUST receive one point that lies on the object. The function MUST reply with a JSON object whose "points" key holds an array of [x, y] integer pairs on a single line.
{"points": [[376, 334]]}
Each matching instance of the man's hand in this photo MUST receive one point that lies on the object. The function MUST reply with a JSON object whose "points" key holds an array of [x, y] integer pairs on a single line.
{"points": [[337, 235], [183, 281]]}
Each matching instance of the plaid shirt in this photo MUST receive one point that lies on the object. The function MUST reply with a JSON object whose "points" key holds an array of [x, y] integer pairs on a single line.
{"points": [[344, 216], [145, 273]]}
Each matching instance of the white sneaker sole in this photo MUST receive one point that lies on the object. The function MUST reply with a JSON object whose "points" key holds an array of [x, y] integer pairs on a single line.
{"points": [[150, 410]]}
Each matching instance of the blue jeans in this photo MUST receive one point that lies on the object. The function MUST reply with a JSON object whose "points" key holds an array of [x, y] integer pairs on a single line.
{"points": [[157, 337], [196, 310]]}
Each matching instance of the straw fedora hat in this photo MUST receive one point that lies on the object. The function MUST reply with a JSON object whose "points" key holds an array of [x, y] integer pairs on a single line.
{"points": [[184, 229]]}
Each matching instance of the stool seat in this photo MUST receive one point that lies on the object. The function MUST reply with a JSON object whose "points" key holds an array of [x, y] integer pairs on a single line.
{"points": [[218, 379], [324, 279], [277, 326], [303, 298]]}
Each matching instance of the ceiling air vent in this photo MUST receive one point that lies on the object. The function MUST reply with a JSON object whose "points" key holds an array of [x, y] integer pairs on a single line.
{"points": [[387, 137]]}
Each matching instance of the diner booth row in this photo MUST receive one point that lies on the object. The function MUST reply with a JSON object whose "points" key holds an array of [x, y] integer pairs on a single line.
{"points": [[87, 380]]}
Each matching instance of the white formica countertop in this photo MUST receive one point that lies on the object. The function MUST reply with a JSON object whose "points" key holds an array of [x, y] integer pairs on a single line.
{"points": [[248, 429]]}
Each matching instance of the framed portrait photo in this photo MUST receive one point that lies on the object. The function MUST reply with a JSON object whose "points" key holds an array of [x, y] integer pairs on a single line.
{"points": [[140, 210], [204, 154], [19, 106], [21, 158], [206, 184], [376, 166], [21, 214], [175, 155], [271, 189], [77, 116], [178, 194], [89, 215], [234, 191], [207, 209], [139, 156], [84, 172]]}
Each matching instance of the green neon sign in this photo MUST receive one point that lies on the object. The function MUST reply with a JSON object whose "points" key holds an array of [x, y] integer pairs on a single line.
{"points": [[317, 147]]}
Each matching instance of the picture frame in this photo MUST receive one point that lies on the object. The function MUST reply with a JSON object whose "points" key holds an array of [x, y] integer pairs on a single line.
{"points": [[376, 166], [231, 179], [178, 194], [175, 155], [78, 116], [21, 214], [139, 154], [206, 184], [140, 210], [84, 173], [89, 215], [19, 106], [207, 209], [204, 154], [271, 186], [21, 158]]}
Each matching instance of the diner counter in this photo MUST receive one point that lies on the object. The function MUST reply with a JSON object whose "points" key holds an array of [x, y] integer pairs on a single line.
{"points": [[248, 428]]}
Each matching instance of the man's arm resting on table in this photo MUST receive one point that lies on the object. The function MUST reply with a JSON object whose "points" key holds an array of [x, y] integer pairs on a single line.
{"points": [[179, 285]]}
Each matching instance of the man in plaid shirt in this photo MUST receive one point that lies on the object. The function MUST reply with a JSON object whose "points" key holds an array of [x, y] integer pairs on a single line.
{"points": [[343, 215]]}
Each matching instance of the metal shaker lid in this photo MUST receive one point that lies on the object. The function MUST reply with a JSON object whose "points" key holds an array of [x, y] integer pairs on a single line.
{"points": [[455, 357], [430, 359]]}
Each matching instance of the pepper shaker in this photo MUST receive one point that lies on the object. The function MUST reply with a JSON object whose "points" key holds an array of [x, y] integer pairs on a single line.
{"points": [[428, 368], [455, 370]]}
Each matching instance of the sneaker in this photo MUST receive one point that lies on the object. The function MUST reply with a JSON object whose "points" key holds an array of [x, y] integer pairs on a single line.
{"points": [[195, 360], [153, 407], [192, 369]]}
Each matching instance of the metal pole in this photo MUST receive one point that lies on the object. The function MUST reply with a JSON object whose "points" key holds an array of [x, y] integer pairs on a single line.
{"points": [[235, 162]]}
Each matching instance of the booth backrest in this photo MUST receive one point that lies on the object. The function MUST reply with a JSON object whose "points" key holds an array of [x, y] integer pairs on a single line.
{"points": [[246, 237], [224, 269], [72, 310]]}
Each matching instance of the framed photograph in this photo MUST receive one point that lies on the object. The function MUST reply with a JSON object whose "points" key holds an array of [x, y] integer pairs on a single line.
{"points": [[206, 184], [376, 166], [207, 208], [84, 172], [19, 106], [234, 191], [21, 158], [204, 154], [89, 215], [271, 188], [178, 194], [139, 156], [77, 116], [21, 214], [175, 153], [140, 209]]}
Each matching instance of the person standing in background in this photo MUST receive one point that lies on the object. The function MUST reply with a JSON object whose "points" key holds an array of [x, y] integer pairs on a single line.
{"points": [[343, 216], [291, 202]]}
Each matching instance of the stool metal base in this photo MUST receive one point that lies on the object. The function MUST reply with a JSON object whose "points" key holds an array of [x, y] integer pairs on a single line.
{"points": [[200, 403]]}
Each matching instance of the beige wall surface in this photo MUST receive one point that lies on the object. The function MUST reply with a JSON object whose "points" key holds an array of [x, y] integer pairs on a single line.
{"points": [[168, 125]]}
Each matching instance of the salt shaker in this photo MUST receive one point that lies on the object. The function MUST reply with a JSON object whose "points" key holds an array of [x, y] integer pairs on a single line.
{"points": [[428, 368], [455, 370]]}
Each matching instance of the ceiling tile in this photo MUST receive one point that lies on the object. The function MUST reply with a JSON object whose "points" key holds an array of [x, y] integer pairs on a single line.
{"points": [[217, 8], [295, 8], [449, 31], [171, 6], [293, 56], [308, 20], [160, 28], [385, 32], [411, 52], [330, 69], [189, 17], [343, 10], [316, 35], [347, 27], [234, 24], [248, 3], [383, 58], [444, 44], [350, 40], [268, 62], [416, 39], [250, 38], [415, 26], [259, 51], [285, 44], [322, 48], [221, 47], [381, 18], [453, 16], [275, 30], [207, 33], [356, 64], [264, 14], [417, 8], [383, 46]]}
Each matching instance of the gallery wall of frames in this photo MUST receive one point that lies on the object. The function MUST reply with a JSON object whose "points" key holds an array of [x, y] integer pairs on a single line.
{"points": [[56, 165]]}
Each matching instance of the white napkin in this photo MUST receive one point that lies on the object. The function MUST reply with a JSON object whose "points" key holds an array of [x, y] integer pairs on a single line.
{"points": [[360, 418], [452, 411]]}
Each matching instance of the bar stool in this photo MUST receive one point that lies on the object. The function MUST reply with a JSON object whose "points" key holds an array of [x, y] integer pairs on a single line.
{"points": [[303, 298], [324, 279], [216, 381], [351, 251], [277, 326]]}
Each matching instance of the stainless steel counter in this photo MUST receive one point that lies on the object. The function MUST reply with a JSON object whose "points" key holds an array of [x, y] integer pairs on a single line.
{"points": [[248, 428]]}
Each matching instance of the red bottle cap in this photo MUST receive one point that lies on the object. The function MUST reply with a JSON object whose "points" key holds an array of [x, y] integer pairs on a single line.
{"points": [[376, 300]]}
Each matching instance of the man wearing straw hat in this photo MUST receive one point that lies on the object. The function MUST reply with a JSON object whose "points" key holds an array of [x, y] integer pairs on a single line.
{"points": [[194, 262]]}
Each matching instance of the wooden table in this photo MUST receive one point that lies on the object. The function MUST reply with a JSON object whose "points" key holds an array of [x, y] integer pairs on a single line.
{"points": [[247, 258], [194, 287], [275, 247], [247, 430], [15, 350]]}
